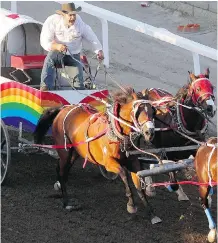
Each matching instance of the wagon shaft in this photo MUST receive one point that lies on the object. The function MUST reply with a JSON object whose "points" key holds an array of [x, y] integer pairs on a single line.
{"points": [[167, 167]]}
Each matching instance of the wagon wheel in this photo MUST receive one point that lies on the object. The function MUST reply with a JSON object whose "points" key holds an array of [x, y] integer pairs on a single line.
{"points": [[5, 152], [108, 175]]}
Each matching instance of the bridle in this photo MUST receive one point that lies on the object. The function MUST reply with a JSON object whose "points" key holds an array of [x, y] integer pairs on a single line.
{"points": [[197, 100], [135, 108], [138, 128]]}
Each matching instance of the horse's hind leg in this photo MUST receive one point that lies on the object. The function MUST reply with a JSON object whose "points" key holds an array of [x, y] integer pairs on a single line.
{"points": [[142, 196], [66, 161], [204, 192], [176, 188]]}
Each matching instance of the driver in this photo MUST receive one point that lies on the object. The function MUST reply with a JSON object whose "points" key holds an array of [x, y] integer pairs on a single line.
{"points": [[61, 32]]}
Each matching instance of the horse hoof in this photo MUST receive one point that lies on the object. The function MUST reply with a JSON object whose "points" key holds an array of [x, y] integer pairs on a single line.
{"points": [[131, 209], [57, 186], [72, 207], [212, 235], [150, 191], [156, 220], [183, 197]]}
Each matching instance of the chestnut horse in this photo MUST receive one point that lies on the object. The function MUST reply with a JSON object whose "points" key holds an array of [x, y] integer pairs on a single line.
{"points": [[187, 113], [100, 138], [206, 169]]}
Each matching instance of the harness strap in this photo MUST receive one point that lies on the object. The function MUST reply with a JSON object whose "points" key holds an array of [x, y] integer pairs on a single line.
{"points": [[65, 137], [208, 166], [92, 119], [70, 145]]}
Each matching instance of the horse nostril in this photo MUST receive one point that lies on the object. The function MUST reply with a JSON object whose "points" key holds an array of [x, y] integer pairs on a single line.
{"points": [[209, 108], [150, 132]]}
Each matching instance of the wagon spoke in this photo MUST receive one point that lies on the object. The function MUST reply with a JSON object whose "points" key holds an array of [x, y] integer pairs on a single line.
{"points": [[3, 143], [3, 164]]}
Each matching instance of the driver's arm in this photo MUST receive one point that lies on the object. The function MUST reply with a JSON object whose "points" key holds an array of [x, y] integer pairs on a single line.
{"points": [[90, 36]]}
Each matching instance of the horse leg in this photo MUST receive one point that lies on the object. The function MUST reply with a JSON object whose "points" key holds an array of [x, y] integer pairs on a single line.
{"points": [[209, 198], [150, 190], [112, 165], [57, 185], [66, 161], [176, 188], [131, 208], [142, 196], [204, 192]]}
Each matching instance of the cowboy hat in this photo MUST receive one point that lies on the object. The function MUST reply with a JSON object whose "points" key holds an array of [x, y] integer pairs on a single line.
{"points": [[68, 8]]}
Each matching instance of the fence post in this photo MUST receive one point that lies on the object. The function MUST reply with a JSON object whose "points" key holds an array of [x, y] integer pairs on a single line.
{"points": [[104, 25], [14, 6], [196, 60]]}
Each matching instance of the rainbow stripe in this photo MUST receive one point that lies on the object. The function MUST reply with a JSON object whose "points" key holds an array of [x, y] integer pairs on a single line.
{"points": [[21, 103]]}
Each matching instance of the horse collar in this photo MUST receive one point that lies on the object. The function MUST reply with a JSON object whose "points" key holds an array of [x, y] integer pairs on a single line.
{"points": [[180, 120], [114, 124]]}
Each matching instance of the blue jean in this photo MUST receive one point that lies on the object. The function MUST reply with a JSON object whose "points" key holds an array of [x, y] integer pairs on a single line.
{"points": [[53, 60]]}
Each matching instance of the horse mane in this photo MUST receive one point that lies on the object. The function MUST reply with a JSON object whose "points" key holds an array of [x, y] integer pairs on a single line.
{"points": [[182, 92], [212, 140], [121, 97]]}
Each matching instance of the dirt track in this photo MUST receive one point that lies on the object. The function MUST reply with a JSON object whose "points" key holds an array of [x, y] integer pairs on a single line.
{"points": [[32, 210]]}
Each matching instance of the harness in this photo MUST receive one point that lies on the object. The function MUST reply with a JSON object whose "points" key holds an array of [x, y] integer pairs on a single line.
{"points": [[208, 164], [178, 116], [115, 133], [176, 112], [114, 130]]}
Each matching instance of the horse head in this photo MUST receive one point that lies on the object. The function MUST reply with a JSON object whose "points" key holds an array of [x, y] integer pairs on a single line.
{"points": [[201, 92], [136, 111]]}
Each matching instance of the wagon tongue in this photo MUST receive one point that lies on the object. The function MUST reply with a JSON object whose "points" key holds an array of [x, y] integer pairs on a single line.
{"points": [[169, 166]]}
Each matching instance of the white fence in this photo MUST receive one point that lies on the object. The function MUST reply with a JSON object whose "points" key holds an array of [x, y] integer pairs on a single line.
{"points": [[158, 33]]}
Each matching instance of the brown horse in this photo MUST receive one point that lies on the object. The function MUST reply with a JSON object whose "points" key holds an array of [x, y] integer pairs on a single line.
{"points": [[206, 170], [186, 113], [101, 138]]}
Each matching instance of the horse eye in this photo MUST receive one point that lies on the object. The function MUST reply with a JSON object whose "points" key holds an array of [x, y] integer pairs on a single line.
{"points": [[198, 89]]}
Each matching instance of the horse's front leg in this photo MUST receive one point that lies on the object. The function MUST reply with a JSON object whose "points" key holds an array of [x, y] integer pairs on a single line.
{"points": [[131, 208], [176, 188], [112, 165], [204, 192], [142, 196]]}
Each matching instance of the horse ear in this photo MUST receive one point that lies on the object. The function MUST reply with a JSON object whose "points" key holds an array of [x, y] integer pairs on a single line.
{"points": [[145, 92], [134, 95], [192, 76], [207, 73], [145, 96]]}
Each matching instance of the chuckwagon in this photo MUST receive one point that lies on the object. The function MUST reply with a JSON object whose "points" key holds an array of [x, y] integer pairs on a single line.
{"points": [[22, 102]]}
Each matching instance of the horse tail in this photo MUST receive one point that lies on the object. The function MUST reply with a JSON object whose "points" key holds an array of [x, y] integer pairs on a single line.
{"points": [[44, 123]]}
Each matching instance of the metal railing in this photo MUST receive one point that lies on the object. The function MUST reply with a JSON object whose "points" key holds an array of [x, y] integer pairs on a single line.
{"points": [[158, 33]]}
